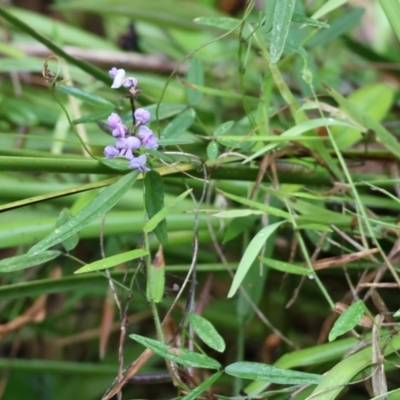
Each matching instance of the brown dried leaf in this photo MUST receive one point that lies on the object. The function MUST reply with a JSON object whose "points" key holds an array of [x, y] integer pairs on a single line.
{"points": [[35, 313], [106, 322], [143, 358]]}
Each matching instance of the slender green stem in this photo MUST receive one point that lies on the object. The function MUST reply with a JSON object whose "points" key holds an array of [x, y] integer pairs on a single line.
{"points": [[308, 260]]}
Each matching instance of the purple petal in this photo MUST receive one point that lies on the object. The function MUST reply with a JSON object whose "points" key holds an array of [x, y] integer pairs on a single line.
{"points": [[111, 152], [133, 143], [120, 131], [139, 163], [114, 119], [147, 137], [142, 116], [130, 82], [112, 72]]}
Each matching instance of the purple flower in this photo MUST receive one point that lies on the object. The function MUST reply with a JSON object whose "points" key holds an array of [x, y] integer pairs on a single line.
{"points": [[147, 137], [142, 116], [113, 72], [115, 122], [111, 152], [130, 82], [139, 163], [120, 79], [114, 119], [126, 145]]}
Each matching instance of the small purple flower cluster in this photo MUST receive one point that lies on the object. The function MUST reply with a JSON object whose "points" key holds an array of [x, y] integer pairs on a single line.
{"points": [[131, 145]]}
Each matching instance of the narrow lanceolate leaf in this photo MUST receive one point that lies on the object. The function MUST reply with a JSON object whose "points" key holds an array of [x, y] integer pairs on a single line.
{"points": [[348, 320], [154, 202], [110, 262], [156, 277], [280, 27], [268, 373], [250, 254], [206, 332], [285, 267], [86, 97], [179, 356], [154, 221], [179, 124], [225, 23], [27, 260], [259, 206], [100, 205], [195, 76], [196, 392], [70, 243], [301, 19]]}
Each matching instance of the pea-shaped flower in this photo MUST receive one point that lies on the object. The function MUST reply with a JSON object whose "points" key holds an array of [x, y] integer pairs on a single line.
{"points": [[139, 163], [120, 79], [111, 152], [147, 137], [142, 116]]}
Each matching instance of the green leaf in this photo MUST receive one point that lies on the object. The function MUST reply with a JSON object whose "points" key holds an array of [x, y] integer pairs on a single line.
{"points": [[348, 320], [155, 286], [383, 135], [270, 7], [86, 97], [223, 128], [197, 391], [397, 314], [285, 267], [250, 254], [155, 220], [112, 261], [212, 150], [265, 372], [298, 130], [154, 202], [280, 27], [301, 19], [225, 23], [375, 100], [343, 372], [255, 204], [118, 163], [327, 7], [179, 356], [179, 124], [195, 76], [237, 213], [338, 27], [70, 243], [391, 9], [100, 205], [12, 264], [206, 332]]}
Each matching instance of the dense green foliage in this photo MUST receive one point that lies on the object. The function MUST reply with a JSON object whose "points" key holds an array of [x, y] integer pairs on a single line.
{"points": [[259, 256]]}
